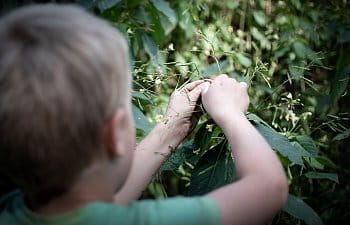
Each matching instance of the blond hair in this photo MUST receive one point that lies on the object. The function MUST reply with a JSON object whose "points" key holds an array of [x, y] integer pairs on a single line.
{"points": [[63, 73]]}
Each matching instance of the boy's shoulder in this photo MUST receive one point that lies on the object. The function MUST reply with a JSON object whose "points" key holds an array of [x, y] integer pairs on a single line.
{"points": [[178, 210]]}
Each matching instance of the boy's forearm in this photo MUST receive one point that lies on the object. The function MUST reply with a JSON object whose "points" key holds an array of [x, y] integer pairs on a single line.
{"points": [[148, 157], [262, 188]]}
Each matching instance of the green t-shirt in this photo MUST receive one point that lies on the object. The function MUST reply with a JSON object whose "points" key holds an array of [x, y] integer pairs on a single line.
{"points": [[172, 211]]}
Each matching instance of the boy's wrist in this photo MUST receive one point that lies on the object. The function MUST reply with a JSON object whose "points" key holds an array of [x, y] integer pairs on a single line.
{"points": [[225, 121], [167, 135]]}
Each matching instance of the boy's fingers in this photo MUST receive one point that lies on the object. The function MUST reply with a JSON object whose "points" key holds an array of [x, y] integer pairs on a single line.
{"points": [[205, 87], [192, 85], [196, 92]]}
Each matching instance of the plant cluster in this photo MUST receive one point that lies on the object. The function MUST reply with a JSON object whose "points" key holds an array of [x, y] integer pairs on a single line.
{"points": [[295, 57]]}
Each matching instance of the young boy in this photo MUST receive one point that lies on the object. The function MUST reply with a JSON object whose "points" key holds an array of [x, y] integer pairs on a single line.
{"points": [[67, 136]]}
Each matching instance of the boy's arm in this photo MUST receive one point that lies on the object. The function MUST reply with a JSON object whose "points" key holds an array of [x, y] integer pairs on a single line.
{"points": [[262, 188], [161, 141]]}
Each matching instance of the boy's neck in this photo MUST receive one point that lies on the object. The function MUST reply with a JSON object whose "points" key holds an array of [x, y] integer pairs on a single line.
{"points": [[95, 185]]}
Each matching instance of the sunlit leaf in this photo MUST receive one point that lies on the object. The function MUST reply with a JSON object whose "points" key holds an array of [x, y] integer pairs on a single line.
{"points": [[260, 17], [244, 60]]}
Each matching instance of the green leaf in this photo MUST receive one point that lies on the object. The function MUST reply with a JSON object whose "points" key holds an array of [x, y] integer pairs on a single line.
{"points": [[280, 143], [88, 3], [139, 95], [151, 48], [202, 138], [297, 69], [256, 119], [260, 18], [299, 209], [303, 152], [344, 36], [303, 51], [213, 170], [216, 68], [163, 7], [166, 24], [158, 32], [342, 136], [181, 155], [103, 5], [317, 175], [299, 49], [316, 164], [308, 144], [327, 162], [257, 34], [311, 55], [242, 59], [340, 83], [140, 119]]}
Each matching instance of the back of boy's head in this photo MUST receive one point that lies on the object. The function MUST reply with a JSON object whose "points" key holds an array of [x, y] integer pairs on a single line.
{"points": [[63, 73]]}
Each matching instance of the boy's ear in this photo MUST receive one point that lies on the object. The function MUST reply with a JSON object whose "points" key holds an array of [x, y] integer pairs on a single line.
{"points": [[114, 139]]}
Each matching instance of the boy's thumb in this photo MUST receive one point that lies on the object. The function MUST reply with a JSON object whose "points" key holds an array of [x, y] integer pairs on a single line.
{"points": [[205, 86]]}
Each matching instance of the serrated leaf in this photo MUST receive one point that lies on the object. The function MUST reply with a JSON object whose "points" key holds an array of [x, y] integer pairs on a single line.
{"points": [[308, 144], [342, 136], [317, 175], [299, 209], [256, 119], [244, 60], [140, 119], [213, 170], [181, 155], [280, 143], [163, 7], [103, 5], [316, 164], [303, 152], [327, 162]]}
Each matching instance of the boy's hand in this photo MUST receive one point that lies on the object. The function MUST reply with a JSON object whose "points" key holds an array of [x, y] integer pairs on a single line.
{"points": [[225, 98], [182, 113]]}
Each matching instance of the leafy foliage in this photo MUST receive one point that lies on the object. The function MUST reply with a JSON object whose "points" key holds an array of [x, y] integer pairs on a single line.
{"points": [[295, 56]]}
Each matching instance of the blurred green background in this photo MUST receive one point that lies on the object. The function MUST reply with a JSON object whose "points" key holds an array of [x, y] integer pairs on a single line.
{"points": [[295, 56]]}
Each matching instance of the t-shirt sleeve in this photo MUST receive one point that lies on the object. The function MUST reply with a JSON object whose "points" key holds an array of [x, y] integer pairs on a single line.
{"points": [[177, 211]]}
